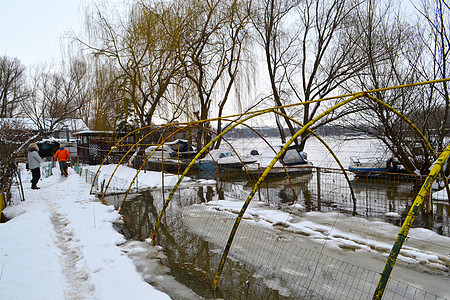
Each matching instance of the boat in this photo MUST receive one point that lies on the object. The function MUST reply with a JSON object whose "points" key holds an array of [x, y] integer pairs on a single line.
{"points": [[375, 167], [292, 161], [176, 149], [172, 157], [223, 159]]}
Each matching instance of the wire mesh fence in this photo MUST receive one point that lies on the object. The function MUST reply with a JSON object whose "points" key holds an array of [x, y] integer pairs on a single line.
{"points": [[389, 198], [267, 262], [283, 267]]}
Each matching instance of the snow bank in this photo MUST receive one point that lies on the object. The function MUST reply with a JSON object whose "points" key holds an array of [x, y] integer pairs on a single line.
{"points": [[60, 244], [441, 195], [124, 175]]}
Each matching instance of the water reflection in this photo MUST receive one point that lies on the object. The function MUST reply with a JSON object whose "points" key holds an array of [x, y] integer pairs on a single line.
{"points": [[191, 259]]}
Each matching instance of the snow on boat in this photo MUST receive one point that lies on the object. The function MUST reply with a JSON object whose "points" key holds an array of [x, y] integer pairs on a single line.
{"points": [[292, 161], [171, 156], [178, 148], [358, 165], [223, 159]]}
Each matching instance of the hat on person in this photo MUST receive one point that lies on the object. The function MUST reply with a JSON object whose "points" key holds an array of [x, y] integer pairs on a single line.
{"points": [[34, 146]]}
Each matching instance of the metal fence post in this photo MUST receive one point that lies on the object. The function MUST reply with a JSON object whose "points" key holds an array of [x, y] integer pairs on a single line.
{"points": [[318, 189]]}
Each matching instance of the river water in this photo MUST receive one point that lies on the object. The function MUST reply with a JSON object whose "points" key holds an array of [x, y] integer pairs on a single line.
{"points": [[193, 239]]}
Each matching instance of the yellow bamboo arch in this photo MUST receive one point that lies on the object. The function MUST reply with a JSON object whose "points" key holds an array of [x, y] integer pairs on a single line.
{"points": [[298, 133], [421, 196], [263, 176], [125, 155], [353, 97], [203, 150], [112, 148], [187, 169], [334, 156]]}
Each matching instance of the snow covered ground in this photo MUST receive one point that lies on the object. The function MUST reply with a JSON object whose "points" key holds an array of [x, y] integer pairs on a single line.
{"points": [[60, 244]]}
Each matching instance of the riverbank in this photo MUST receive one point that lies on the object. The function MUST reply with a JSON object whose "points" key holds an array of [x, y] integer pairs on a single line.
{"points": [[60, 244]]}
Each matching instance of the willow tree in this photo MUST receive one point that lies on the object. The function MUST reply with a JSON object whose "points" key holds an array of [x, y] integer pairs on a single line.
{"points": [[105, 96], [154, 65], [210, 50], [144, 53]]}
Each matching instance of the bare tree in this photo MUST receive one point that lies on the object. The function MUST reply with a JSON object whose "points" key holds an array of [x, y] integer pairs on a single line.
{"points": [[435, 37], [311, 50], [56, 95], [12, 86], [269, 18], [393, 51]]}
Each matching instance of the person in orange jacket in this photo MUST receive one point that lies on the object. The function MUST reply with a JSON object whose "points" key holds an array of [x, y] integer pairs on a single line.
{"points": [[62, 156]]}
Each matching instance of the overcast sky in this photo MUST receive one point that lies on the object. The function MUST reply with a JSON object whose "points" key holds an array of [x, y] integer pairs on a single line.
{"points": [[31, 30]]}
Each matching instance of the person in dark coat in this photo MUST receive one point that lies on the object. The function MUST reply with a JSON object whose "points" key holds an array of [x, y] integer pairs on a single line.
{"points": [[34, 164]]}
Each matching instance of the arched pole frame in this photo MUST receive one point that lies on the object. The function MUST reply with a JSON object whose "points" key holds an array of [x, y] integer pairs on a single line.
{"points": [[118, 143], [297, 134], [264, 175], [420, 198], [160, 144], [187, 169], [205, 148], [249, 116], [131, 148], [124, 156], [417, 130], [274, 108], [219, 136], [332, 153], [134, 131], [240, 115], [134, 145], [269, 145], [145, 161], [404, 118]]}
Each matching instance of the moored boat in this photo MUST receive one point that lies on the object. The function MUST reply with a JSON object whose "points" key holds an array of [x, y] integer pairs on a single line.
{"points": [[223, 159], [172, 157], [176, 149], [375, 166], [292, 162]]}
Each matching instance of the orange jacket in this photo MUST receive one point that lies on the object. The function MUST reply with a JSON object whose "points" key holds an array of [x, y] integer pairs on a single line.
{"points": [[62, 155]]}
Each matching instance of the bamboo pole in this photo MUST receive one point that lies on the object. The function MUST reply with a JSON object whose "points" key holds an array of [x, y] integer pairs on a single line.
{"points": [[420, 198], [263, 176]]}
